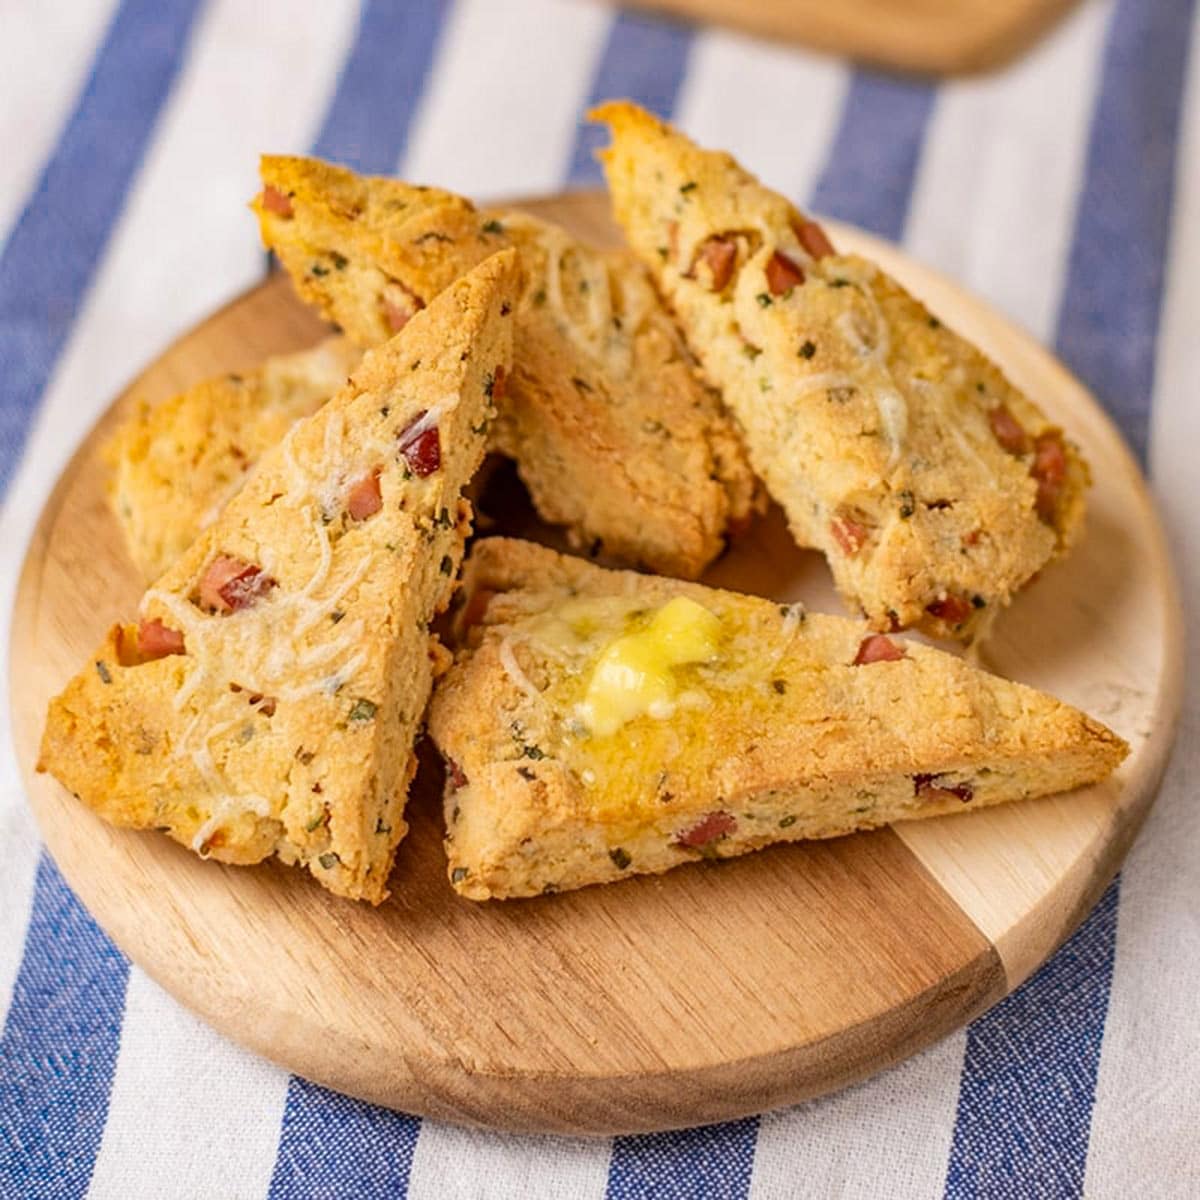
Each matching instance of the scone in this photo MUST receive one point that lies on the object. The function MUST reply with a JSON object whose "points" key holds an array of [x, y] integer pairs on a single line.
{"points": [[175, 464], [614, 434], [599, 724], [267, 700], [934, 487]]}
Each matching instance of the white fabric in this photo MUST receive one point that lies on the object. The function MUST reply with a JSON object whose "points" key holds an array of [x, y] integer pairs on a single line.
{"points": [[995, 197], [468, 1164], [190, 1114], [499, 116], [994, 204]]}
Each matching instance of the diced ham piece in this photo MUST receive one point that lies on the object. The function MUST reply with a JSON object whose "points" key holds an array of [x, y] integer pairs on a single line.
{"points": [[782, 274], [400, 305], [231, 584], [954, 610], [928, 789], [455, 774], [499, 380], [364, 498], [813, 238], [156, 640], [1050, 470], [719, 255], [274, 201], [877, 647], [1010, 433], [421, 446], [707, 830], [850, 534]]}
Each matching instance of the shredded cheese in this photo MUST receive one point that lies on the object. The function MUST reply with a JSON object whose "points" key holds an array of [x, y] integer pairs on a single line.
{"points": [[512, 668], [602, 332]]}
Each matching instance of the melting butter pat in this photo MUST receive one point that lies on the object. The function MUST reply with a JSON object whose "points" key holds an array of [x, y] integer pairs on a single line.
{"points": [[634, 676]]}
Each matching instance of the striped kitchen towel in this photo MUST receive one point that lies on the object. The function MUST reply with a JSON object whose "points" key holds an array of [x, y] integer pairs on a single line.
{"points": [[1065, 189]]}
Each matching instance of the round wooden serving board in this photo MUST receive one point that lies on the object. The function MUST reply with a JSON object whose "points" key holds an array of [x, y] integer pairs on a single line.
{"points": [[718, 990]]}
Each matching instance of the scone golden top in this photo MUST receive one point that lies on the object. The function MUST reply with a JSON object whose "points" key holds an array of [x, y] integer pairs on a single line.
{"points": [[600, 723], [933, 486], [267, 701], [175, 464], [614, 434]]}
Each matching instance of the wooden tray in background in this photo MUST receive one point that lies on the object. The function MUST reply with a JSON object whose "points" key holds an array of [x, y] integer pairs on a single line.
{"points": [[715, 991], [940, 37]]}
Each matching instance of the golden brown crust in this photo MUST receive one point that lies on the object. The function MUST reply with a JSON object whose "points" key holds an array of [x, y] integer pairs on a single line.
{"points": [[286, 725], [175, 464], [614, 434], [934, 487], [791, 737]]}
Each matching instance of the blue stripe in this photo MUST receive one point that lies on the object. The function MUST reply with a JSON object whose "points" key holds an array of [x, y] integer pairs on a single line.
{"points": [[368, 122], [59, 1046], [50, 259], [1108, 323], [334, 1146], [868, 178], [714, 1161], [645, 59], [1029, 1076]]}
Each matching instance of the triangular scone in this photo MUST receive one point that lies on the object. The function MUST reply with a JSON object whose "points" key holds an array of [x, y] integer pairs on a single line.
{"points": [[933, 486], [614, 434], [600, 724], [268, 700], [175, 464]]}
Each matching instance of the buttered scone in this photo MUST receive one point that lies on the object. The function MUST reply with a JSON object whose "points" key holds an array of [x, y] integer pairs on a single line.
{"points": [[599, 724], [268, 698], [934, 487], [614, 434], [175, 464]]}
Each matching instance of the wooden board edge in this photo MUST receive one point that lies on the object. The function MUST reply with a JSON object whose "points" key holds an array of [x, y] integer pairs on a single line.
{"points": [[988, 38], [459, 1091]]}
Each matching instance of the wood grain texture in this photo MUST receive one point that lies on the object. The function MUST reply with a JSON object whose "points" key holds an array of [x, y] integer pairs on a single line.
{"points": [[709, 993], [943, 37]]}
